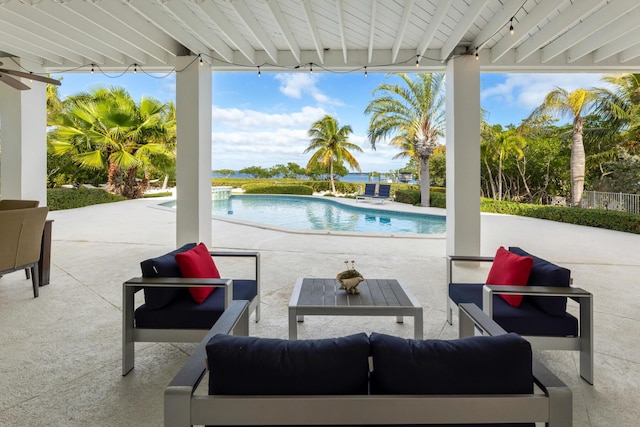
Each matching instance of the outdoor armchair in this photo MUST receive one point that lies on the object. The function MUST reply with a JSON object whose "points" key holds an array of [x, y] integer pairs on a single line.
{"points": [[169, 313], [21, 231], [542, 316]]}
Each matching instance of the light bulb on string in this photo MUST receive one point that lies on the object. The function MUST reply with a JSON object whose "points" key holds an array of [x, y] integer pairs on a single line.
{"points": [[417, 61], [311, 68], [259, 72], [201, 61], [135, 68], [92, 68], [366, 74], [511, 30], [477, 56]]}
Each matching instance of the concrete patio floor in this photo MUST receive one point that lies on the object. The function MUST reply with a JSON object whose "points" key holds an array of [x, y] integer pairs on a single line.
{"points": [[60, 354]]}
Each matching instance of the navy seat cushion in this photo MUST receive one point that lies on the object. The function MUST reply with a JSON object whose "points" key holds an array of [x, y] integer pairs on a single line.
{"points": [[474, 365], [184, 313], [545, 273], [527, 319], [269, 366], [162, 266]]}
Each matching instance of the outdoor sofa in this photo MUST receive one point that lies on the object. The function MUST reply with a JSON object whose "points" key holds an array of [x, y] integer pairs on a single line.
{"points": [[169, 313], [366, 380]]}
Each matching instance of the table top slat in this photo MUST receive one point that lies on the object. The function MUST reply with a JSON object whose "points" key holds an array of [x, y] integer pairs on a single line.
{"points": [[330, 292], [373, 293]]}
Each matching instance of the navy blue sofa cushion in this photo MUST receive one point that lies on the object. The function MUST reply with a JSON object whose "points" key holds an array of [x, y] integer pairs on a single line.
{"points": [[269, 366], [474, 365], [184, 313], [162, 266], [527, 319], [545, 273]]}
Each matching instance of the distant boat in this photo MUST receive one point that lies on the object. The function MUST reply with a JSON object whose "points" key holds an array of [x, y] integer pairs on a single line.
{"points": [[404, 177]]}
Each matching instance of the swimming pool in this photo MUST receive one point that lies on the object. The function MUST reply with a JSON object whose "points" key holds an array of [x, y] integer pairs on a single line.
{"points": [[322, 214]]}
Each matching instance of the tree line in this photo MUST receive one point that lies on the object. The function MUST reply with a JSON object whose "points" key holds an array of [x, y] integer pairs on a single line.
{"points": [[104, 134]]}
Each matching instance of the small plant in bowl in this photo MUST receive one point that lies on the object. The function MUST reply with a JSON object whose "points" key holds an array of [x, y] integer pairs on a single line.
{"points": [[350, 278]]}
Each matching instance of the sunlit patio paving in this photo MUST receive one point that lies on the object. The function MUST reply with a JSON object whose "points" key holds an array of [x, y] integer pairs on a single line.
{"points": [[60, 361]]}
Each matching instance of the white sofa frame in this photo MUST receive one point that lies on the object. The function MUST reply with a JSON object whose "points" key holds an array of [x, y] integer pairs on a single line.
{"points": [[552, 405]]}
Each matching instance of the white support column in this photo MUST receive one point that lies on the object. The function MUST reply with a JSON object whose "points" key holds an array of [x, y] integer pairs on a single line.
{"points": [[463, 156], [193, 163], [23, 140]]}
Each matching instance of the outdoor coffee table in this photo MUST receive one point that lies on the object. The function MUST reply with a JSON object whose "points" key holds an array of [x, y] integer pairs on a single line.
{"points": [[378, 297]]}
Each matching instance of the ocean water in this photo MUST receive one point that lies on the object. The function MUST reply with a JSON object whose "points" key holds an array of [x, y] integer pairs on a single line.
{"points": [[351, 177]]}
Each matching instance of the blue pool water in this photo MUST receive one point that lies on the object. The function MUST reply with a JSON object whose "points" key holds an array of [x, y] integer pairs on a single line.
{"points": [[312, 213]]}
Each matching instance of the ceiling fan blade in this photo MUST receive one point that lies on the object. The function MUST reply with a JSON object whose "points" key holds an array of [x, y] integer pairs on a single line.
{"points": [[31, 76], [14, 83]]}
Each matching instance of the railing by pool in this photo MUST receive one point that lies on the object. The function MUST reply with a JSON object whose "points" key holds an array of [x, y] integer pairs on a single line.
{"points": [[611, 201], [221, 192]]}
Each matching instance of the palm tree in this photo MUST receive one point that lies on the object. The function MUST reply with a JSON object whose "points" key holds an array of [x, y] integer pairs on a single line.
{"points": [[498, 144], [576, 106], [621, 106], [413, 112], [107, 128], [330, 140]]}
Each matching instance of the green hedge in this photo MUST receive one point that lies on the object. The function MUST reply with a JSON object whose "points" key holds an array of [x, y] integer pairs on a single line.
{"points": [[438, 198], [303, 190], [67, 198], [610, 220]]}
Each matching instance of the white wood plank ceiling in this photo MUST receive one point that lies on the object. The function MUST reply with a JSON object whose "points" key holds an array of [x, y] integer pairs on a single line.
{"points": [[383, 35]]}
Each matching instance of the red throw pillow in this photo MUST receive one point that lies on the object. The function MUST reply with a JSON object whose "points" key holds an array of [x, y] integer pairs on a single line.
{"points": [[510, 269], [197, 263]]}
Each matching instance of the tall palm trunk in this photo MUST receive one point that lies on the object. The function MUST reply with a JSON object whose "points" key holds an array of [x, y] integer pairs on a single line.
{"points": [[577, 163], [333, 184], [425, 185]]}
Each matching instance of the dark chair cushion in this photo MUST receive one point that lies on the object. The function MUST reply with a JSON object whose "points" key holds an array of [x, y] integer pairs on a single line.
{"points": [[184, 313], [528, 319], [545, 273], [162, 266], [474, 365], [269, 366]]}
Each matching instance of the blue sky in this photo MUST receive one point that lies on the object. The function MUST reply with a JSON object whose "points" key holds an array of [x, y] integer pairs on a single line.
{"points": [[263, 121]]}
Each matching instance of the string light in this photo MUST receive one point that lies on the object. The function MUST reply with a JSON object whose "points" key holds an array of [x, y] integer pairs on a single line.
{"points": [[201, 61], [135, 68], [92, 66], [417, 61], [311, 67], [366, 74], [477, 56], [511, 26], [259, 72]]}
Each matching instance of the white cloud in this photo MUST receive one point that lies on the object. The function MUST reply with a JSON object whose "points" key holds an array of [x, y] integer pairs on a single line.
{"points": [[298, 85], [527, 91], [236, 118], [252, 138]]}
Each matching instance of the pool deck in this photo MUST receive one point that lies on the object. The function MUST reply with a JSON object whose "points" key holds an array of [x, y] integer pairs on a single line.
{"points": [[60, 354]]}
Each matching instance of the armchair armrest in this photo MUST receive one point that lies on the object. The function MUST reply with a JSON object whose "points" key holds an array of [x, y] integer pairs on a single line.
{"points": [[135, 284], [451, 259], [577, 294]]}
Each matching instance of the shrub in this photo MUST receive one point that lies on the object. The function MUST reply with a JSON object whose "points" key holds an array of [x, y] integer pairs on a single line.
{"points": [[65, 198], [610, 220], [411, 197], [304, 190], [438, 198]]}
